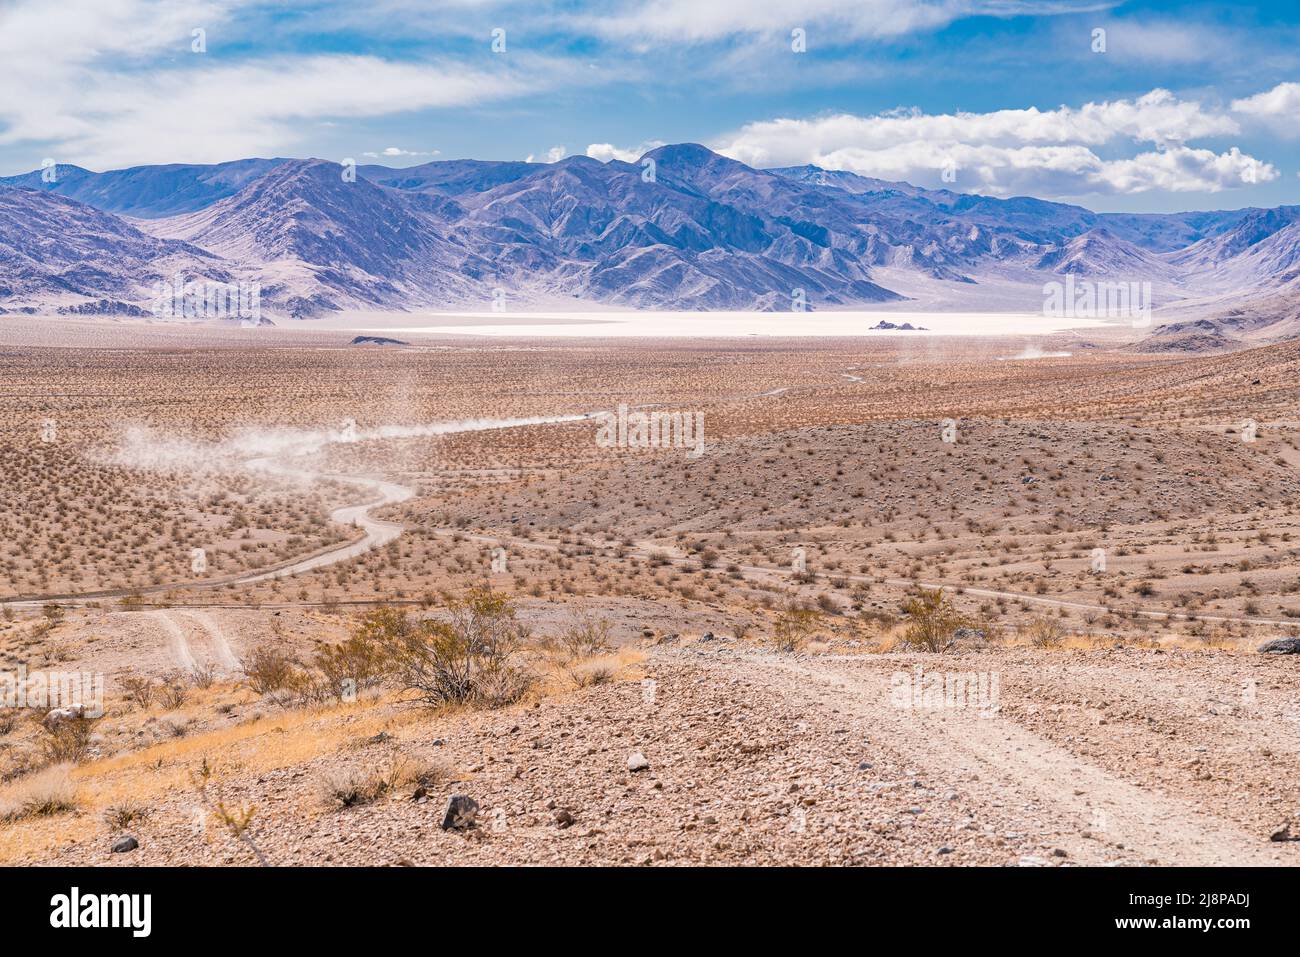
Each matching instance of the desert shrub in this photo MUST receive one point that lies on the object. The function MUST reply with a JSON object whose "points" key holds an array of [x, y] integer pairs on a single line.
{"points": [[132, 602], [121, 817], [267, 669], [174, 689], [827, 604], [204, 676], [50, 791], [1044, 632], [932, 620], [140, 690], [354, 786], [67, 740], [471, 657], [363, 658], [585, 635], [586, 674], [236, 819], [794, 626], [880, 620]]}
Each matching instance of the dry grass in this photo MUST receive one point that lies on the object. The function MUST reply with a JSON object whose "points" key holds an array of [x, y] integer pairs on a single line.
{"points": [[47, 792], [354, 785]]}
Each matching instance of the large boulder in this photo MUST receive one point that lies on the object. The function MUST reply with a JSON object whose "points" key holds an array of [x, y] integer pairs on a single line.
{"points": [[1281, 646], [460, 812], [124, 844]]}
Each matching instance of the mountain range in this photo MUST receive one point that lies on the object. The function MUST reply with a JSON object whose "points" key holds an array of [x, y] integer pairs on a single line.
{"points": [[682, 228]]}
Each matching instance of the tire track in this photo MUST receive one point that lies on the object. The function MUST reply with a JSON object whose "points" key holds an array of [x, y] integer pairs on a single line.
{"points": [[1001, 761]]}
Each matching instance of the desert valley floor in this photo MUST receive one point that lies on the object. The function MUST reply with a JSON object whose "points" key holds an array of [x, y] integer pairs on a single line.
{"points": [[711, 645]]}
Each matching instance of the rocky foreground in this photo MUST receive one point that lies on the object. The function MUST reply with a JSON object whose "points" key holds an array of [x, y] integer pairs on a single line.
{"points": [[726, 753]]}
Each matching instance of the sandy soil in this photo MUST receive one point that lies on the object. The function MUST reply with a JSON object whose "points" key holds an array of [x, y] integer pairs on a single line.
{"points": [[1133, 719]]}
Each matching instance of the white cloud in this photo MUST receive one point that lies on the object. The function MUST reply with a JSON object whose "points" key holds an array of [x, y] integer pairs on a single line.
{"points": [[608, 151], [113, 83], [219, 111], [1282, 100], [1157, 117], [1184, 170], [396, 151], [1277, 108], [829, 22], [553, 155], [1044, 152]]}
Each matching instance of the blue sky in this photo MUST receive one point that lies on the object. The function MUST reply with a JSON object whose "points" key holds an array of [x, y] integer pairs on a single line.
{"points": [[1174, 106]]}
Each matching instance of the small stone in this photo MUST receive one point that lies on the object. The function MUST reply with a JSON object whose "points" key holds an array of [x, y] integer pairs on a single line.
{"points": [[125, 844], [944, 850], [460, 813], [1059, 852], [1284, 833], [563, 818], [636, 761]]}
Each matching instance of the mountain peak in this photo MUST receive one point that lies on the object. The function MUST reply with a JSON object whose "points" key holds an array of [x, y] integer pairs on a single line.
{"points": [[685, 153]]}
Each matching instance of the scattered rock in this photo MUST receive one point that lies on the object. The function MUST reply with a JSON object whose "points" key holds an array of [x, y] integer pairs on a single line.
{"points": [[125, 844], [1284, 833], [377, 341], [886, 325], [1281, 646], [59, 715], [563, 818], [460, 813], [636, 761]]}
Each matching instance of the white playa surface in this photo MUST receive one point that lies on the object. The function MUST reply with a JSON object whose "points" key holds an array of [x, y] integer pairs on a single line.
{"points": [[721, 324]]}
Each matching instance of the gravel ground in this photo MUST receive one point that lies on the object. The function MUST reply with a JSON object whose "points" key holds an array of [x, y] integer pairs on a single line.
{"points": [[1121, 756]]}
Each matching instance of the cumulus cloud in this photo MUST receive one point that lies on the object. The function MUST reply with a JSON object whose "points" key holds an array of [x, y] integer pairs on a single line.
{"points": [[1276, 108], [608, 151], [1282, 100], [1047, 152], [553, 155]]}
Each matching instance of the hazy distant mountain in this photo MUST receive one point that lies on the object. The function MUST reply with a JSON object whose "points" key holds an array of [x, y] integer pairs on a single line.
{"points": [[682, 228], [1263, 244], [449, 177], [1098, 254], [56, 253], [331, 244], [148, 192]]}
